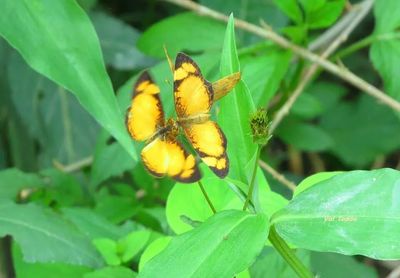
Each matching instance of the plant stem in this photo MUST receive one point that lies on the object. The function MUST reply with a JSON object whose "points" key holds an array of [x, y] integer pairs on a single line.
{"points": [[365, 42], [276, 175], [207, 198], [288, 254], [252, 182]]}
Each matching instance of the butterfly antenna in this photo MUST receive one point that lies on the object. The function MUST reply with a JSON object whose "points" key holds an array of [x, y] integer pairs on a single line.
{"points": [[171, 65]]}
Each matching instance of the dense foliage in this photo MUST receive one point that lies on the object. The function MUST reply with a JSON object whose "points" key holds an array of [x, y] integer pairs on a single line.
{"points": [[76, 200]]}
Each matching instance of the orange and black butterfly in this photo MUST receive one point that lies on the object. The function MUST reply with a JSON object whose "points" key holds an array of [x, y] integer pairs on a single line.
{"points": [[163, 154]]}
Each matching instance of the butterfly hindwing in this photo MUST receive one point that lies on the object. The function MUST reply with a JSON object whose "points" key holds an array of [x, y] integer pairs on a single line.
{"points": [[193, 94], [165, 156], [210, 143], [145, 115]]}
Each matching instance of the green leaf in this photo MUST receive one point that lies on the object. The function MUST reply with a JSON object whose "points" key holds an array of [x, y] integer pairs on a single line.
{"points": [[307, 106], [64, 130], [330, 265], [153, 249], [224, 245], [118, 41], [61, 44], [114, 272], [12, 181], [386, 15], [109, 160], [271, 262], [56, 239], [344, 214], [384, 54], [187, 200], [204, 34], [291, 9], [61, 189], [130, 245], [236, 109], [298, 33], [92, 224], [116, 208], [264, 73], [108, 249], [314, 179], [315, 13], [304, 136], [34, 270], [361, 131], [324, 16], [250, 11], [328, 94]]}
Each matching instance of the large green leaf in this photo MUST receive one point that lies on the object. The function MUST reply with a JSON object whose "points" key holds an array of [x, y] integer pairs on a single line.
{"points": [[12, 181], [312, 180], [235, 111], [182, 32], [361, 131], [34, 270], [44, 236], [271, 262], [304, 136], [114, 272], [102, 169], [223, 246], [92, 224], [356, 212], [118, 41], [64, 130], [187, 201], [57, 39], [330, 265], [263, 74], [385, 53], [153, 249]]}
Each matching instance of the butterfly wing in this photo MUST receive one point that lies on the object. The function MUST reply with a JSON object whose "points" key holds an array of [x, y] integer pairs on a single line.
{"points": [[210, 143], [166, 156], [194, 97], [193, 94], [145, 115]]}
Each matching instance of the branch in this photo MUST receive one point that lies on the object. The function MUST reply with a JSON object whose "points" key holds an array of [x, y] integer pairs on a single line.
{"points": [[276, 175], [76, 166], [281, 41], [363, 10]]}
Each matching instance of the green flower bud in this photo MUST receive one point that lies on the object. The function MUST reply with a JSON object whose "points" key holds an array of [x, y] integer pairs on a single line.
{"points": [[259, 126]]}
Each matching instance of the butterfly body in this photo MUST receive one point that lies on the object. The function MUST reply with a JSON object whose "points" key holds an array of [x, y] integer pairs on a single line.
{"points": [[163, 154]]}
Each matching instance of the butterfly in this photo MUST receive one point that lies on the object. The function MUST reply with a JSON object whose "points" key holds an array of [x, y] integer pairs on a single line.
{"points": [[163, 154]]}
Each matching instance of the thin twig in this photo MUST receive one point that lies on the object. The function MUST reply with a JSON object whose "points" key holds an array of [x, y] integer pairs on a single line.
{"points": [[206, 197], [395, 273], [331, 34], [73, 166], [363, 10], [276, 175], [281, 41]]}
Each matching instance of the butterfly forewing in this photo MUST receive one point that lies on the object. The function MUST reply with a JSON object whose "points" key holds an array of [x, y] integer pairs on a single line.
{"points": [[193, 94], [145, 115], [194, 98]]}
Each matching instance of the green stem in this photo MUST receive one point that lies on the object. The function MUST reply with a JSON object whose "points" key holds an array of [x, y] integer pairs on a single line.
{"points": [[207, 198], [253, 177], [288, 254], [364, 43]]}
